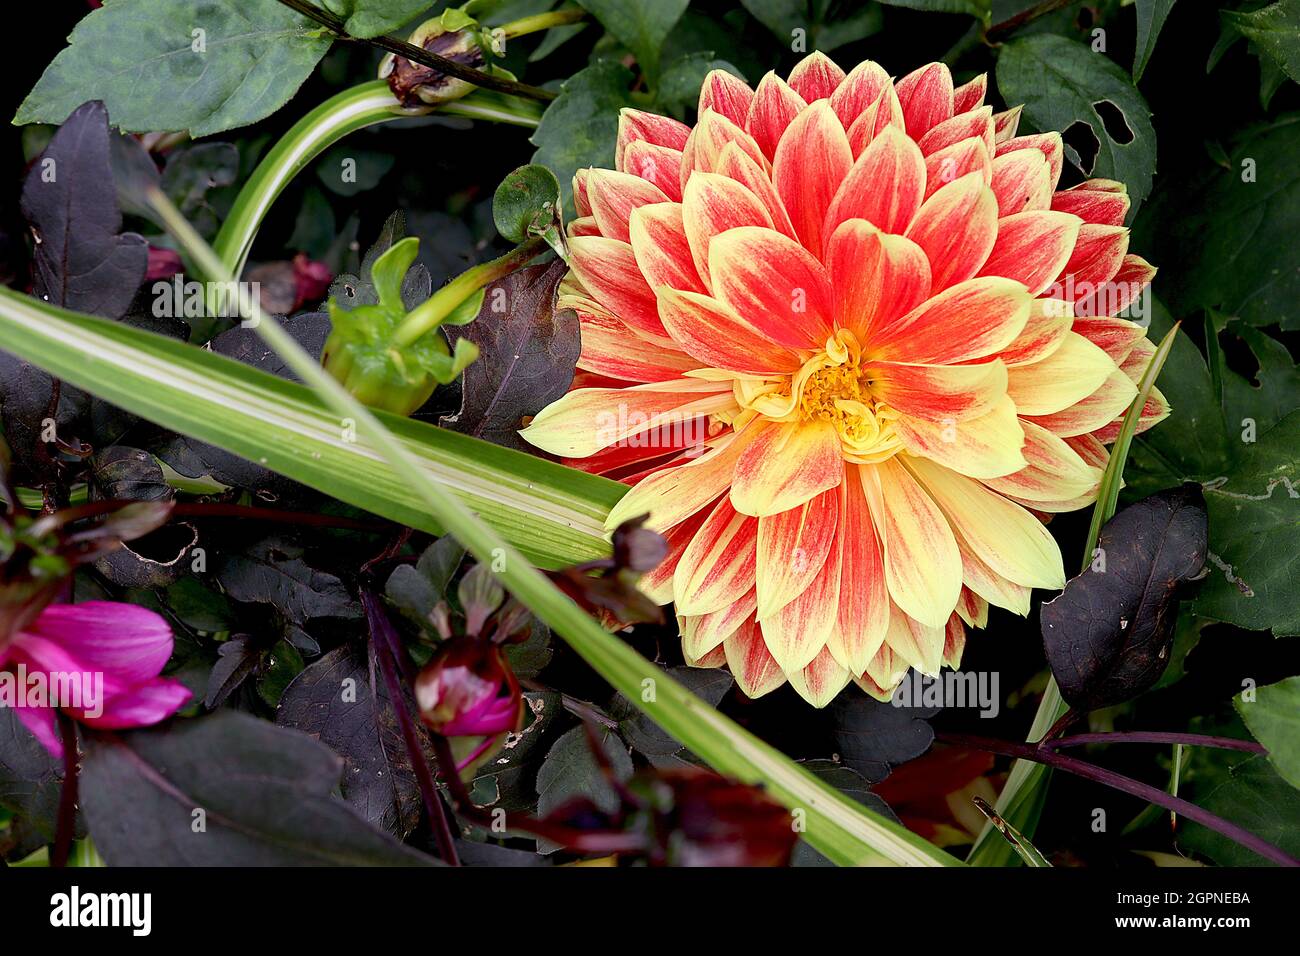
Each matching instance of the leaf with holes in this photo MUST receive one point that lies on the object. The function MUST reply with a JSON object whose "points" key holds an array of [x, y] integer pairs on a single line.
{"points": [[1108, 635], [1061, 83]]}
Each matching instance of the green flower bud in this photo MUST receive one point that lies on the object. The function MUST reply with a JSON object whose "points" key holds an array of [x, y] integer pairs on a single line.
{"points": [[453, 35]]}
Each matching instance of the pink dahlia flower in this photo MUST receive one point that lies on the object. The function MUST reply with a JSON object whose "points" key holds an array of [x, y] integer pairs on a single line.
{"points": [[98, 662], [849, 343]]}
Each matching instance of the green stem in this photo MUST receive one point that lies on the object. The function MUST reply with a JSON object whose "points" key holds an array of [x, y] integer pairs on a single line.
{"points": [[429, 314], [353, 109], [1021, 801], [839, 827], [542, 21]]}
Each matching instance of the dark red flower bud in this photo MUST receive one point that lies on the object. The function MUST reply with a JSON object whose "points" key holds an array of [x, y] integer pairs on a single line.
{"points": [[469, 695]]}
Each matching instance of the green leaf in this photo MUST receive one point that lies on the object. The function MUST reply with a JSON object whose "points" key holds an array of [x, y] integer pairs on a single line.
{"points": [[822, 24], [1151, 15], [369, 18], [1060, 82], [525, 203], [1274, 720], [570, 771], [1254, 522], [176, 65], [976, 8], [1255, 798], [1275, 30], [679, 87], [1228, 235], [580, 127], [555, 515], [639, 25]]}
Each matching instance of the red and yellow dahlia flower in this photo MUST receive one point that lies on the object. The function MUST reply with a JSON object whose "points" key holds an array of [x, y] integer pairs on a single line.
{"points": [[850, 346]]}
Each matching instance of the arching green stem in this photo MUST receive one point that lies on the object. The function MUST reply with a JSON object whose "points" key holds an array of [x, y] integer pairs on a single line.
{"points": [[353, 109]]}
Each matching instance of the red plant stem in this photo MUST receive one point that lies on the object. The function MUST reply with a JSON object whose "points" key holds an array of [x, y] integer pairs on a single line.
{"points": [[66, 827], [1155, 737], [386, 649], [1110, 778]]}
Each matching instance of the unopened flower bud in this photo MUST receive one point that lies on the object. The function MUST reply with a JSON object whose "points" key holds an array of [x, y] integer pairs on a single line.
{"points": [[453, 36], [469, 695]]}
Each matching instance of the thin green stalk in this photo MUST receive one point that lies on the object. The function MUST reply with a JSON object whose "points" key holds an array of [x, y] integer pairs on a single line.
{"points": [[353, 109], [839, 827], [430, 313], [1022, 799], [541, 21]]}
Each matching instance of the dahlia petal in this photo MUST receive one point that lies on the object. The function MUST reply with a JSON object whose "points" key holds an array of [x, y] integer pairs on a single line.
{"points": [[956, 227], [1097, 410], [1006, 123], [970, 95], [609, 271], [588, 419], [756, 671], [126, 642], [1001, 533], [712, 660], [1098, 255], [973, 319], [711, 205], [922, 563], [786, 465], [584, 226], [705, 632], [927, 98], [1049, 322], [1055, 471], [657, 583], [938, 393], [1049, 144], [919, 645], [1033, 247], [736, 164], [977, 123], [1115, 337], [864, 597], [884, 186], [1124, 287], [661, 249], [797, 633], [876, 277], [1022, 181], [885, 111], [727, 94], [717, 567], [774, 108], [954, 644], [821, 680], [972, 609], [717, 336], [655, 164], [989, 585], [811, 162], [711, 135], [983, 447], [580, 202], [1075, 370], [775, 283], [612, 349], [859, 90], [792, 548], [816, 77], [614, 195], [954, 162], [885, 672], [652, 128], [1097, 200]]}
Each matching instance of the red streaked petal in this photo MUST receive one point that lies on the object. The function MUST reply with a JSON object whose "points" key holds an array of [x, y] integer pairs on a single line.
{"points": [[711, 136], [756, 671], [797, 632], [712, 204], [860, 89], [1006, 123], [1049, 144], [1073, 371], [703, 633], [1115, 337], [787, 464], [956, 161], [657, 583], [614, 195], [1032, 247], [1022, 181], [580, 202], [1055, 471], [970, 95], [661, 250], [774, 108], [821, 680], [1095, 411], [608, 269], [927, 98], [885, 185], [727, 94], [655, 164], [811, 162], [612, 349], [1049, 322], [956, 227], [977, 124], [717, 567], [938, 393], [885, 111], [1097, 200], [876, 277], [922, 563], [775, 283], [636, 125], [736, 164], [1098, 255], [718, 337], [1120, 291], [864, 598], [584, 226], [815, 77], [792, 547], [982, 447], [971, 320]]}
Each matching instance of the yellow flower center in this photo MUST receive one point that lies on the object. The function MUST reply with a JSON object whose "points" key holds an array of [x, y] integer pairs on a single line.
{"points": [[830, 386]]}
